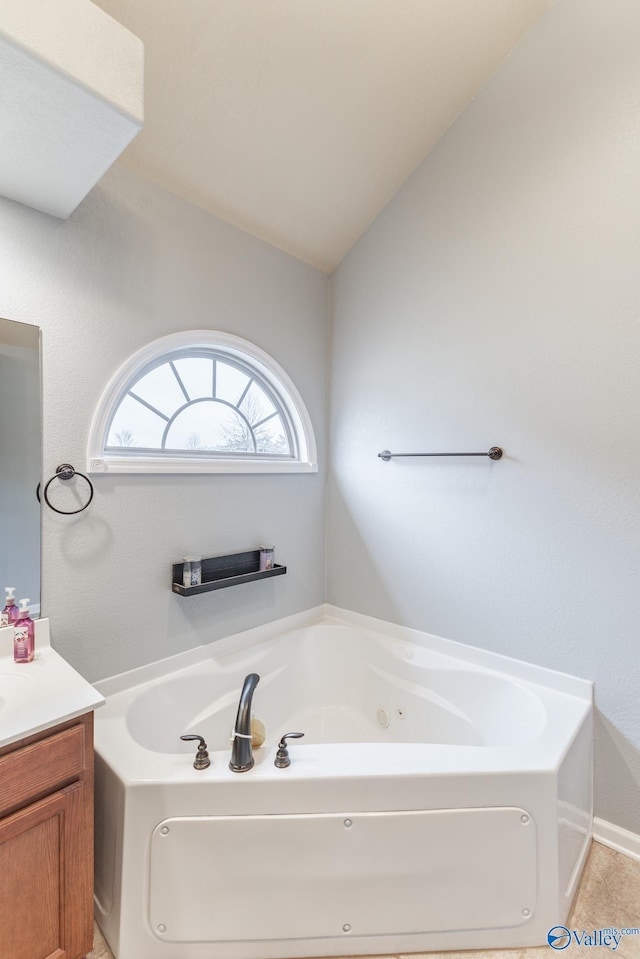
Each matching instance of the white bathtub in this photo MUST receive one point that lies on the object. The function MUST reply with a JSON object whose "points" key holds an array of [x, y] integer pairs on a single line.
{"points": [[440, 799]]}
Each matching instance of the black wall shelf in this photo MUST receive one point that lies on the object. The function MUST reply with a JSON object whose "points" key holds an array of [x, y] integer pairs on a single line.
{"points": [[218, 572]]}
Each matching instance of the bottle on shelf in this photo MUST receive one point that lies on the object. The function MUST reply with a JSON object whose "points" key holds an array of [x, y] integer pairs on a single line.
{"points": [[266, 557]]}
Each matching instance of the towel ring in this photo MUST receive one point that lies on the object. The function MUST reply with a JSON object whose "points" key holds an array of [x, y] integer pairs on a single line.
{"points": [[65, 472]]}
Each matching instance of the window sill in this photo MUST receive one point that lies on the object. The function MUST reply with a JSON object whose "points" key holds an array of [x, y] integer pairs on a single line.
{"points": [[178, 464]]}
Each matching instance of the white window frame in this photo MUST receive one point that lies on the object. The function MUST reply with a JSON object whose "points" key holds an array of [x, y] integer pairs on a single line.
{"points": [[103, 460]]}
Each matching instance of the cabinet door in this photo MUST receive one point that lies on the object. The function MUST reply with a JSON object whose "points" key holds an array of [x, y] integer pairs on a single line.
{"points": [[36, 878]]}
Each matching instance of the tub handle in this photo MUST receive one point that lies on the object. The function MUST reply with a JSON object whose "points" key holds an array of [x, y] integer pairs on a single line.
{"points": [[282, 759], [202, 756]]}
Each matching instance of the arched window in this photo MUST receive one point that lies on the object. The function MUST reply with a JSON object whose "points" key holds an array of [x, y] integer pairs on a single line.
{"points": [[201, 401]]}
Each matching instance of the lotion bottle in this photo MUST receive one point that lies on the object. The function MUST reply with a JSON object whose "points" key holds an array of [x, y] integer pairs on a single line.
{"points": [[10, 613], [23, 635]]}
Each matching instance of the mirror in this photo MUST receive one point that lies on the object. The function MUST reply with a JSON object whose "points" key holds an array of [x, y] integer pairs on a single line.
{"points": [[20, 461]]}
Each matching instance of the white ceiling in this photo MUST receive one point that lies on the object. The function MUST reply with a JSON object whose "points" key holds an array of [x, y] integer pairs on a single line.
{"points": [[298, 120]]}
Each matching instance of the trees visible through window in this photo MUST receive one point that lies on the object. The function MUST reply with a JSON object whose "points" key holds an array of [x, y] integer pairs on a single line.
{"points": [[201, 401]]}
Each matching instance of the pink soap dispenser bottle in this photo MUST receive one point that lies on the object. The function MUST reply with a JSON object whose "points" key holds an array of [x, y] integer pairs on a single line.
{"points": [[23, 635], [9, 614]]}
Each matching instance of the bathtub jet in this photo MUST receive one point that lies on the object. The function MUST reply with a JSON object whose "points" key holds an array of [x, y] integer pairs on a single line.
{"points": [[241, 751]]}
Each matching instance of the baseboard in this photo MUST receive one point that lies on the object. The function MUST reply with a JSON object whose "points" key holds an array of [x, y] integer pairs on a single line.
{"points": [[628, 843]]}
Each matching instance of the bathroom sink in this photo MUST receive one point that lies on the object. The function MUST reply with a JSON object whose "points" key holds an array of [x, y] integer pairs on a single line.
{"points": [[13, 686], [40, 694]]}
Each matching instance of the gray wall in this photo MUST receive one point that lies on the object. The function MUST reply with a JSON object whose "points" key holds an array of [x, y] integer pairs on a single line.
{"points": [[496, 300], [134, 263]]}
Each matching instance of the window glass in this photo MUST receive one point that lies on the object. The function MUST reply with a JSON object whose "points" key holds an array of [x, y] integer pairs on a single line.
{"points": [[160, 389], [135, 425], [256, 405], [209, 425], [230, 382], [271, 437], [196, 404], [201, 401], [196, 373]]}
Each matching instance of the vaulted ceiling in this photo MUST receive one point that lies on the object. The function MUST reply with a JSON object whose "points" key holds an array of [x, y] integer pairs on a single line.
{"points": [[297, 120]]}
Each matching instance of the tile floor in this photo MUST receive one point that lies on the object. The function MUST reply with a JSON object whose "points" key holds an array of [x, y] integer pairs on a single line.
{"points": [[609, 895]]}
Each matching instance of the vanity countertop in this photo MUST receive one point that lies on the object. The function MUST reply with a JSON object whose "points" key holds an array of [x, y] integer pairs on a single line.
{"points": [[40, 694]]}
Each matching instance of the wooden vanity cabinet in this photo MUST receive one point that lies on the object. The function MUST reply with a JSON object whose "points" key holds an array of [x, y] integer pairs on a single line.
{"points": [[46, 843]]}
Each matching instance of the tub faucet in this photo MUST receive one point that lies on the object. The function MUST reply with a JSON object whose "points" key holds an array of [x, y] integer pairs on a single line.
{"points": [[241, 753]]}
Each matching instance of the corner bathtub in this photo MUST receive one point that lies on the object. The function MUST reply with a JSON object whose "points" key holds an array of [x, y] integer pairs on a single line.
{"points": [[440, 798]]}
